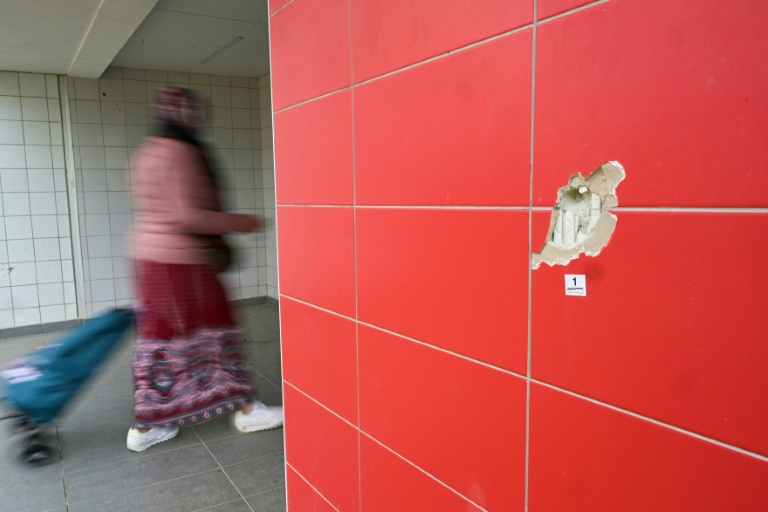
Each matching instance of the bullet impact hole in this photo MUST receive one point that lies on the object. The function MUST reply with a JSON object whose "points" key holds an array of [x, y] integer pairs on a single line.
{"points": [[580, 221]]}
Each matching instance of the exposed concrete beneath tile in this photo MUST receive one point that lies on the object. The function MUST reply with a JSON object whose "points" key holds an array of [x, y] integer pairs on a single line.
{"points": [[580, 221]]}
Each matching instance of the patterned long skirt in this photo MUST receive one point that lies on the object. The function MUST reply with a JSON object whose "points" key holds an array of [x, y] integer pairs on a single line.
{"points": [[189, 366]]}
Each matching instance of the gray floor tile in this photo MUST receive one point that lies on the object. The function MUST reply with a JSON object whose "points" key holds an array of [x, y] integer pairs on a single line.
{"points": [[108, 447], [258, 475], [190, 493], [101, 414], [266, 314], [130, 474], [13, 471], [18, 479], [103, 399], [232, 506], [32, 496], [265, 359], [243, 447], [13, 348], [258, 339], [269, 392], [269, 501]]}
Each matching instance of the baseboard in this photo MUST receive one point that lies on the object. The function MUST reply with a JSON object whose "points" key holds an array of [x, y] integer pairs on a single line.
{"points": [[30, 330], [257, 301], [250, 301], [66, 325]]}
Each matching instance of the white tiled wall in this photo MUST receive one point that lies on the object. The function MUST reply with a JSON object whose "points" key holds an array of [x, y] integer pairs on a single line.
{"points": [[110, 116], [37, 282], [268, 183]]}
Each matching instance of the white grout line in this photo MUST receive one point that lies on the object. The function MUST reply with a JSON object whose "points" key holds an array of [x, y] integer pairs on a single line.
{"points": [[690, 209], [649, 209], [393, 452], [310, 485], [315, 400], [531, 158], [444, 207], [407, 207], [446, 351], [654, 421], [354, 251], [566, 13], [315, 306], [277, 11], [313, 99], [448, 53], [403, 336]]}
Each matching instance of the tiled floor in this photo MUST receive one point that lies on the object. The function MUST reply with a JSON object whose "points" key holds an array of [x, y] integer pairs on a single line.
{"points": [[210, 468]]}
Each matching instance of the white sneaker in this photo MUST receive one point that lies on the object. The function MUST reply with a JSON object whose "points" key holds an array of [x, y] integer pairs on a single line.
{"points": [[140, 441], [261, 417]]}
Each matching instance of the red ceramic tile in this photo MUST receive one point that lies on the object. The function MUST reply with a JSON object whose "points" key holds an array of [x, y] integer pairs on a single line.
{"points": [[453, 278], [313, 152], [301, 496], [276, 4], [586, 457], [390, 483], [547, 8], [438, 135], [458, 420], [310, 50], [323, 448], [389, 35], [320, 355], [672, 324], [316, 256], [672, 92]]}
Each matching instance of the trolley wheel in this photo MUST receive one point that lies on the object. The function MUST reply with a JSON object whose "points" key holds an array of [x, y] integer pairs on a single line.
{"points": [[38, 451]]}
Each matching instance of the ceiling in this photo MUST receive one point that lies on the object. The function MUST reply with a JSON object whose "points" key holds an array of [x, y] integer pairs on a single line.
{"points": [[178, 34], [83, 37]]}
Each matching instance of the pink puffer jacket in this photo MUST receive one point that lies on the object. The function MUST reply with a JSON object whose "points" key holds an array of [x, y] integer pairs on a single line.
{"points": [[173, 199]]}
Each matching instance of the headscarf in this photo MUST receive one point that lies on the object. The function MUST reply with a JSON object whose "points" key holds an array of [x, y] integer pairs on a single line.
{"points": [[181, 110], [180, 115]]}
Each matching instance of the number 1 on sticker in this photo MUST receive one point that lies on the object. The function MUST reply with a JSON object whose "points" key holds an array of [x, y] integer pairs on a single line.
{"points": [[576, 285]]}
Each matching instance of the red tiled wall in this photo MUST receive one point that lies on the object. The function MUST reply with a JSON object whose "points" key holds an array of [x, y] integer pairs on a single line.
{"points": [[425, 367]]}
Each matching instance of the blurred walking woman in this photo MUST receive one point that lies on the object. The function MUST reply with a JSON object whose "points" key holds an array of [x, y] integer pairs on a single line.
{"points": [[189, 365]]}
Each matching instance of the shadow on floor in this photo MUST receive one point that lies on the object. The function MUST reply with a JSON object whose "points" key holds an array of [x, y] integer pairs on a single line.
{"points": [[210, 467]]}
